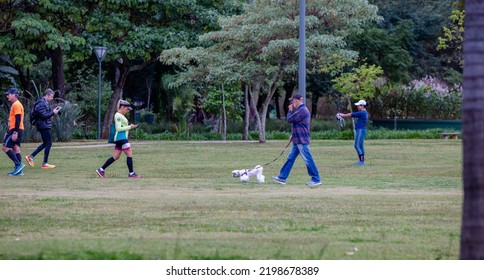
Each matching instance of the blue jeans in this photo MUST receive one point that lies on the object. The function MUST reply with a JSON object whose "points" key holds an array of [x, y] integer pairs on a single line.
{"points": [[360, 141], [302, 149]]}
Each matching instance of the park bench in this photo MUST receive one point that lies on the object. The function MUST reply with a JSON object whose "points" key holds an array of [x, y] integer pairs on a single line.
{"points": [[452, 135]]}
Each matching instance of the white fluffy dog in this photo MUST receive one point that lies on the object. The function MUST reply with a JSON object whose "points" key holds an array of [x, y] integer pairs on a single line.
{"points": [[244, 174]]}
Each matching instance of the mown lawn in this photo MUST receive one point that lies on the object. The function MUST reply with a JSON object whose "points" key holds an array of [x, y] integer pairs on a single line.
{"points": [[405, 204]]}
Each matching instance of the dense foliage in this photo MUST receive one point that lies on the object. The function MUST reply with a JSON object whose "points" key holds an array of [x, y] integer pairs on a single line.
{"points": [[234, 43]]}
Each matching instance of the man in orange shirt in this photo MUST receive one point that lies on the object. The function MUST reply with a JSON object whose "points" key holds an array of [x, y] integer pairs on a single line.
{"points": [[13, 137]]}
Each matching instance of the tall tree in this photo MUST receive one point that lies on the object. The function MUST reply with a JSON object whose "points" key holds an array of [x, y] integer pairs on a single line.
{"points": [[450, 44], [260, 47], [389, 49], [472, 231], [35, 29], [428, 17], [135, 32]]}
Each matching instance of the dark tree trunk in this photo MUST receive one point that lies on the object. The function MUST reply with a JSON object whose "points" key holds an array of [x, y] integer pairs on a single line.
{"points": [[109, 117], [472, 230], [289, 88], [58, 81], [314, 106], [123, 70], [245, 133], [24, 79], [277, 96]]}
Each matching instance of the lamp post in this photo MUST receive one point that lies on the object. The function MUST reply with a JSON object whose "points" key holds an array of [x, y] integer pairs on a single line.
{"points": [[302, 49], [100, 53]]}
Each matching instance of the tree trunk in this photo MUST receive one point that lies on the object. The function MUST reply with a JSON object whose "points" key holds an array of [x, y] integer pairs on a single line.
{"points": [[289, 88], [254, 96], [314, 106], [271, 89], [58, 81], [245, 133], [351, 111], [25, 83], [472, 229], [121, 76], [224, 115], [277, 96], [117, 94]]}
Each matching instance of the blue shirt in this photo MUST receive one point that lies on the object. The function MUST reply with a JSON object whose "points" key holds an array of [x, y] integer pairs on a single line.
{"points": [[300, 119], [362, 118]]}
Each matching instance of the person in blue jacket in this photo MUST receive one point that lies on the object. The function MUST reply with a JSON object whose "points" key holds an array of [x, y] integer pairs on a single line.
{"points": [[43, 114], [360, 129], [300, 118]]}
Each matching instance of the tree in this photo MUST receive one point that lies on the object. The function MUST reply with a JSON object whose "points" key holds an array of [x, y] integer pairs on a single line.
{"points": [[35, 29], [361, 83], [472, 230], [389, 49], [451, 41], [260, 47], [135, 32], [428, 18]]}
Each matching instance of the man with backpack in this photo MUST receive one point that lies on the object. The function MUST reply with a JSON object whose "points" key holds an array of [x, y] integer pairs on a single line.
{"points": [[41, 116]]}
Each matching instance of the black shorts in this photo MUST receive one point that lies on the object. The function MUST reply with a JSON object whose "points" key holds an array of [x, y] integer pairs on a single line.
{"points": [[122, 145], [8, 142]]}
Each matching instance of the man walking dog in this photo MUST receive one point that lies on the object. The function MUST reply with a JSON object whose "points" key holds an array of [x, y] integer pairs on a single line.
{"points": [[300, 118]]}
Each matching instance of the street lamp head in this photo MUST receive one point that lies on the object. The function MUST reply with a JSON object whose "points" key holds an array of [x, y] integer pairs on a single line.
{"points": [[100, 52]]}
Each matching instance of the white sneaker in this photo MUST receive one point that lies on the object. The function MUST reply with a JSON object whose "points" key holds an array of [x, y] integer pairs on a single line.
{"points": [[278, 180], [313, 184]]}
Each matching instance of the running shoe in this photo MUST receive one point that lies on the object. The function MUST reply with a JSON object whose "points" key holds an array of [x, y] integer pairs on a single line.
{"points": [[18, 169], [134, 175], [30, 160], [313, 184], [278, 180], [100, 173], [47, 166]]}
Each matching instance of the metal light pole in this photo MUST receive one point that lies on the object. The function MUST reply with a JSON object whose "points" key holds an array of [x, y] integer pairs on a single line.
{"points": [[302, 49], [100, 53]]}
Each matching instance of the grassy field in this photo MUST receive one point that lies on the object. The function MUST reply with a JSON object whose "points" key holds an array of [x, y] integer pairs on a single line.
{"points": [[405, 204]]}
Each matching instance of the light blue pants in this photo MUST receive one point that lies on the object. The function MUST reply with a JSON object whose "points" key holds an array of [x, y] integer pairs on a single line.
{"points": [[305, 152], [360, 142]]}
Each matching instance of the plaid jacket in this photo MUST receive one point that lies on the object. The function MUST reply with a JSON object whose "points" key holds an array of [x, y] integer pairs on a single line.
{"points": [[300, 119]]}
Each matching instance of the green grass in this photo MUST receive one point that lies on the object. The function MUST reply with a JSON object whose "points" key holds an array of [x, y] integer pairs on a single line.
{"points": [[405, 204]]}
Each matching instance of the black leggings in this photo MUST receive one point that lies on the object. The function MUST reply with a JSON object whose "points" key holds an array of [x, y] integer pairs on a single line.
{"points": [[46, 144]]}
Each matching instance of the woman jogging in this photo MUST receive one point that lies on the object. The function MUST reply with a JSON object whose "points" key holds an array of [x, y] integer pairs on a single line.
{"points": [[360, 129], [121, 143]]}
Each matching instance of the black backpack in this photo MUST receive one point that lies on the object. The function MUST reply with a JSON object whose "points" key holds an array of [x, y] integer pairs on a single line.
{"points": [[33, 115]]}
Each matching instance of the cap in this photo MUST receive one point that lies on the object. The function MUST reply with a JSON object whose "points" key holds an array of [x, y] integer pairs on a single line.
{"points": [[12, 91], [125, 103], [296, 96], [361, 102]]}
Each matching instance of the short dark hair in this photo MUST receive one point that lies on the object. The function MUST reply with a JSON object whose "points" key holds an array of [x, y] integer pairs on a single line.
{"points": [[48, 91]]}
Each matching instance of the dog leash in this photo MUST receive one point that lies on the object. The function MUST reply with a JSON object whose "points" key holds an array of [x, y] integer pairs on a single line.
{"points": [[270, 162]]}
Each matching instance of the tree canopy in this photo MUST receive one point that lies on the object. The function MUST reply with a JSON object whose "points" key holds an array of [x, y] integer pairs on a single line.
{"points": [[260, 46]]}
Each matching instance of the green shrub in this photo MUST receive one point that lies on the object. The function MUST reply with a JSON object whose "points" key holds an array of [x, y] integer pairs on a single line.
{"points": [[63, 125]]}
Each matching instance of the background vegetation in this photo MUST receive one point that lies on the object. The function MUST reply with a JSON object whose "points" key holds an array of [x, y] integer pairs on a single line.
{"points": [[417, 45]]}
